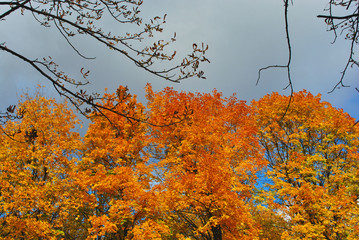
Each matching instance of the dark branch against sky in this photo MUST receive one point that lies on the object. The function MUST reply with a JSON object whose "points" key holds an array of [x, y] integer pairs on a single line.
{"points": [[239, 45]]}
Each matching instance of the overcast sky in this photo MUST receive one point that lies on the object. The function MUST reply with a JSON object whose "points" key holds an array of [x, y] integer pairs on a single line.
{"points": [[243, 36]]}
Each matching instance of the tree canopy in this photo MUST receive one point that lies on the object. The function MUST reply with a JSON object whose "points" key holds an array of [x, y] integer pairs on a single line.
{"points": [[192, 176], [313, 165], [183, 165]]}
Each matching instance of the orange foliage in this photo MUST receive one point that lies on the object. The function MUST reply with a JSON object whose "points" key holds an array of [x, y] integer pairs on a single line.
{"points": [[207, 157], [113, 172], [313, 163], [185, 167], [35, 165]]}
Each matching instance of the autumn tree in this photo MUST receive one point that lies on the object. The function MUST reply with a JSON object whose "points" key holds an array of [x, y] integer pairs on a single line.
{"points": [[36, 159], [114, 173], [85, 18], [185, 167], [55, 185], [313, 165], [206, 163]]}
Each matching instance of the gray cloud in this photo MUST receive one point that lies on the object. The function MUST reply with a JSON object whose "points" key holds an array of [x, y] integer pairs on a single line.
{"points": [[243, 36]]}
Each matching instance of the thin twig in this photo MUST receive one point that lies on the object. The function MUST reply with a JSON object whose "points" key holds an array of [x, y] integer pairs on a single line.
{"points": [[338, 17], [14, 8], [350, 58], [59, 87], [287, 66]]}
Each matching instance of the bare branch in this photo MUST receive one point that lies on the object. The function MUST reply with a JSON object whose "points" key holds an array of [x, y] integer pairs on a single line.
{"points": [[191, 62], [72, 96], [13, 9], [338, 17], [287, 66], [72, 46], [79, 18], [349, 26]]}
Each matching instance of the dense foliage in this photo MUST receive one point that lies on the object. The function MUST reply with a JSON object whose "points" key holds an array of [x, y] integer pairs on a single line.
{"points": [[183, 167]]}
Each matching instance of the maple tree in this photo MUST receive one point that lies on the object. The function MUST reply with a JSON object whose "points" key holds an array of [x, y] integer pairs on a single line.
{"points": [[35, 164], [56, 185], [206, 163], [114, 174], [313, 165], [184, 167]]}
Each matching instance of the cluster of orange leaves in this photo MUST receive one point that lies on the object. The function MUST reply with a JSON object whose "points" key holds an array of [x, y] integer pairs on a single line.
{"points": [[183, 167]]}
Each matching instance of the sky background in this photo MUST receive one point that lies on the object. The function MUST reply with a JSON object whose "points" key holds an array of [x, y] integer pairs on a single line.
{"points": [[243, 36]]}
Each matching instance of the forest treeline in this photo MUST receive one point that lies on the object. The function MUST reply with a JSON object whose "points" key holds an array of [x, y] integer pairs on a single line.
{"points": [[185, 166]]}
